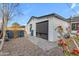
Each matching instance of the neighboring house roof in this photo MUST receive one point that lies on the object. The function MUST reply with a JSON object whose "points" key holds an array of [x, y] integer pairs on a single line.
{"points": [[14, 28], [73, 19], [53, 14], [22, 26]]}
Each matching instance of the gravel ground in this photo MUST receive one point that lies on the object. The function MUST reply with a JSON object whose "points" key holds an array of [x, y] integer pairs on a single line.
{"points": [[24, 47]]}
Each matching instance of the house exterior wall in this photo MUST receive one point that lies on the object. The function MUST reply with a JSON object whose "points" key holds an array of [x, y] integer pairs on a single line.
{"points": [[53, 22], [73, 22], [33, 27], [33, 22]]}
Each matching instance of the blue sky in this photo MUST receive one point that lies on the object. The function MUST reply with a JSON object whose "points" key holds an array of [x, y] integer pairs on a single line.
{"points": [[39, 9]]}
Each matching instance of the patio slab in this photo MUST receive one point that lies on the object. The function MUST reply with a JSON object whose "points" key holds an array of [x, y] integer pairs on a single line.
{"points": [[42, 43]]}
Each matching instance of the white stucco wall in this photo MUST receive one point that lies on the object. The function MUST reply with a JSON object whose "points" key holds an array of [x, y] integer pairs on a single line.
{"points": [[53, 22], [33, 27], [33, 22]]}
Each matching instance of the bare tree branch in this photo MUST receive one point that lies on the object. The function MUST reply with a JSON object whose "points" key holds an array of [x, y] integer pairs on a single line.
{"points": [[8, 11]]}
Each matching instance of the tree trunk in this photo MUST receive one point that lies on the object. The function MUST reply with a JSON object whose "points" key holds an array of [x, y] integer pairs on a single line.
{"points": [[4, 24], [15, 34]]}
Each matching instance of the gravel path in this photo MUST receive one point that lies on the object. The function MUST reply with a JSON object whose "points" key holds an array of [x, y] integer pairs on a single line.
{"points": [[24, 47]]}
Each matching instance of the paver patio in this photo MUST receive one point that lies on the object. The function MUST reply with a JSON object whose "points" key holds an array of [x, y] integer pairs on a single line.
{"points": [[24, 47]]}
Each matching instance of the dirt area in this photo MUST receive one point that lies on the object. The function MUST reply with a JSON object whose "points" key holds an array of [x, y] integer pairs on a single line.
{"points": [[24, 47]]}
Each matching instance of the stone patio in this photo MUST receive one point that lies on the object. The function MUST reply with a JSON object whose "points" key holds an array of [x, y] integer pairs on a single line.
{"points": [[25, 47]]}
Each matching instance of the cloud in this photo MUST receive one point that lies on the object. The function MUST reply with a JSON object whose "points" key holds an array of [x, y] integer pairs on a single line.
{"points": [[73, 5]]}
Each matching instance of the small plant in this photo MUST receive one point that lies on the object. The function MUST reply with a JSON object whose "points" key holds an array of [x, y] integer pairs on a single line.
{"points": [[66, 51], [66, 39]]}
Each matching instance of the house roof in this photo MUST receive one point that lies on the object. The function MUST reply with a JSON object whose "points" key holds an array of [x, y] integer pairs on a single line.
{"points": [[31, 18], [75, 18], [53, 14]]}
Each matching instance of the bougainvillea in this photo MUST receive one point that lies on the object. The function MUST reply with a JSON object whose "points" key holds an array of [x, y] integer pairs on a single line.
{"points": [[66, 45], [62, 43], [67, 52], [75, 51]]}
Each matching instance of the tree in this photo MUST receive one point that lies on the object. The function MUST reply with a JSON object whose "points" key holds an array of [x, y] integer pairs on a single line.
{"points": [[16, 26], [8, 11]]}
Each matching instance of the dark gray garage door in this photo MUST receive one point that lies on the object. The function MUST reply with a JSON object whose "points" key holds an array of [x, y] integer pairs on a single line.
{"points": [[42, 30]]}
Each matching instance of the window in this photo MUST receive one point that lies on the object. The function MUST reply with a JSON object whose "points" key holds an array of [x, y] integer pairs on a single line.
{"points": [[74, 26]]}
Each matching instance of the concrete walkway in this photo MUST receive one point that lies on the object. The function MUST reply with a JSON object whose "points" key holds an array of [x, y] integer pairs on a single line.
{"points": [[42, 43]]}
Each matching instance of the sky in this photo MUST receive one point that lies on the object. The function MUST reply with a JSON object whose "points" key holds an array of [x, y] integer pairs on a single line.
{"points": [[40, 9]]}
